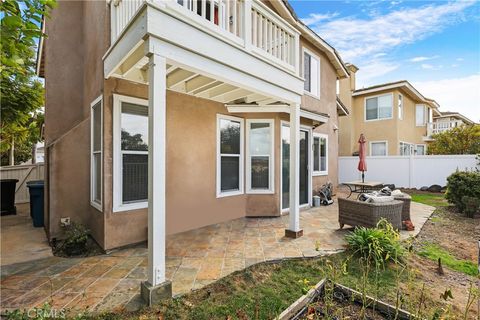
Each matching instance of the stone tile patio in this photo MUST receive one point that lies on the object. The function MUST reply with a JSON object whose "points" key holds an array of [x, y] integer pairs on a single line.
{"points": [[194, 259]]}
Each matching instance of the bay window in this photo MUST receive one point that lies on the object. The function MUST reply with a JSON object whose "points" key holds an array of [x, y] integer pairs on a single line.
{"points": [[96, 154], [259, 160], [130, 162], [320, 154], [229, 156], [406, 149], [379, 107]]}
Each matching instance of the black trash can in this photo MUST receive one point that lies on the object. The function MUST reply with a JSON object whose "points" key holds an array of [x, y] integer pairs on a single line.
{"points": [[7, 187], [36, 201]]}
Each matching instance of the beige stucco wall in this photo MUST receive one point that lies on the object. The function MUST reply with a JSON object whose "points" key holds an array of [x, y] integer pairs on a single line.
{"points": [[326, 103], [392, 130], [74, 78]]}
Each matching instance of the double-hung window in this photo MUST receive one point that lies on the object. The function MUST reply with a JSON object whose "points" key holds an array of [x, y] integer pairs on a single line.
{"points": [[320, 154], [130, 153], [378, 148], [420, 115], [96, 154], [311, 73], [400, 107], [229, 156], [380, 107], [260, 149]]}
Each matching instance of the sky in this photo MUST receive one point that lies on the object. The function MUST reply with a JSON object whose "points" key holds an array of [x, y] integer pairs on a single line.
{"points": [[435, 45]]}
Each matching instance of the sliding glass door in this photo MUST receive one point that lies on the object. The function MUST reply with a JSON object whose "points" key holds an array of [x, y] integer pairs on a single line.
{"points": [[304, 173]]}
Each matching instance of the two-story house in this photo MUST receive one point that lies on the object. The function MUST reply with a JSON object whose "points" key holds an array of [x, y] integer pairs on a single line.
{"points": [[164, 116], [394, 117]]}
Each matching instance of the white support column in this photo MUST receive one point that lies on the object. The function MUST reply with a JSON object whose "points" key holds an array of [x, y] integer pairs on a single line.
{"points": [[294, 230], [156, 287]]}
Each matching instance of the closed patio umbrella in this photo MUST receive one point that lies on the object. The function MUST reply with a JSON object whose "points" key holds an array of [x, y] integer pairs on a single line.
{"points": [[362, 154]]}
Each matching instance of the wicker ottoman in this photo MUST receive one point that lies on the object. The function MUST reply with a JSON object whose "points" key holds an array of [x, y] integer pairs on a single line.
{"points": [[359, 213], [406, 199]]}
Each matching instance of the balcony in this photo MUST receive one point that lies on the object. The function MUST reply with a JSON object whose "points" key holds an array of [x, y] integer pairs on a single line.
{"points": [[439, 127], [260, 32]]}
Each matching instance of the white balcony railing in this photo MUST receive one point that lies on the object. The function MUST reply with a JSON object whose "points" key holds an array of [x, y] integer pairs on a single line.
{"points": [[441, 126], [261, 32]]}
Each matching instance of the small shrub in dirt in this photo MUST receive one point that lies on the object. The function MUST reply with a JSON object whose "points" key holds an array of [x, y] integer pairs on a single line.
{"points": [[461, 184], [381, 244], [472, 206], [76, 239]]}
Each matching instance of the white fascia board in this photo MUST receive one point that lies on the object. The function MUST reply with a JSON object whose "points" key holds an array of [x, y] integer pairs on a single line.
{"points": [[258, 109], [405, 84], [313, 116], [275, 109]]}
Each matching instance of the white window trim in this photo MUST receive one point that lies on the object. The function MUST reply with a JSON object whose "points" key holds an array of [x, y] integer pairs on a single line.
{"points": [[425, 115], [118, 206], [271, 158], [378, 141], [412, 146], [313, 55], [424, 149], [376, 96], [93, 203], [402, 107], [221, 194], [325, 136]]}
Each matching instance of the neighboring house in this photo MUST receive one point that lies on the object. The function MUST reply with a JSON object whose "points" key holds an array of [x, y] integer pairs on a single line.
{"points": [[190, 102], [394, 117], [446, 121]]}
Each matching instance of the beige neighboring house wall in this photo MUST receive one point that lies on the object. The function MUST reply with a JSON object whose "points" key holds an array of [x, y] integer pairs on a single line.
{"points": [[392, 130], [78, 37]]}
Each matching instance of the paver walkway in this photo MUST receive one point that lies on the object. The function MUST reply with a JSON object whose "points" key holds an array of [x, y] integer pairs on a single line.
{"points": [[194, 259]]}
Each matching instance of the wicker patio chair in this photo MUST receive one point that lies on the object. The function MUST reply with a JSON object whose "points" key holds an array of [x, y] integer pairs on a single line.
{"points": [[406, 199], [359, 213]]}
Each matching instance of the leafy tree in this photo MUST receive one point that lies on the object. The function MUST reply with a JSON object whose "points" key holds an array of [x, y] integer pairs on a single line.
{"points": [[20, 27], [22, 96], [460, 140], [134, 142]]}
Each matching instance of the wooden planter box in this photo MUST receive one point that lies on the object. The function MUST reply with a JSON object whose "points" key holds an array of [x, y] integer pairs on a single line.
{"points": [[299, 306]]}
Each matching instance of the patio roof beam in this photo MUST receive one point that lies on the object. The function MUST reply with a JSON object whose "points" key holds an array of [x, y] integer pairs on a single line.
{"points": [[233, 95], [197, 83]]}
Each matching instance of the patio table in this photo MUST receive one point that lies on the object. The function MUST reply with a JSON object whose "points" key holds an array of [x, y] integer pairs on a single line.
{"points": [[362, 187]]}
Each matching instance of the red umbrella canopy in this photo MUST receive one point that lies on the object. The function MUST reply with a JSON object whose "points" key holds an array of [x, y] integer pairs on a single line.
{"points": [[362, 153]]}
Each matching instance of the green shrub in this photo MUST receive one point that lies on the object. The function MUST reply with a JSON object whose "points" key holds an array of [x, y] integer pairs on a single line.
{"points": [[461, 184], [472, 205], [381, 244], [76, 239]]}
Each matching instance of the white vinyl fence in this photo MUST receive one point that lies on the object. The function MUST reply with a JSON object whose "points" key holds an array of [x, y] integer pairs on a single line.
{"points": [[406, 171], [23, 173]]}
